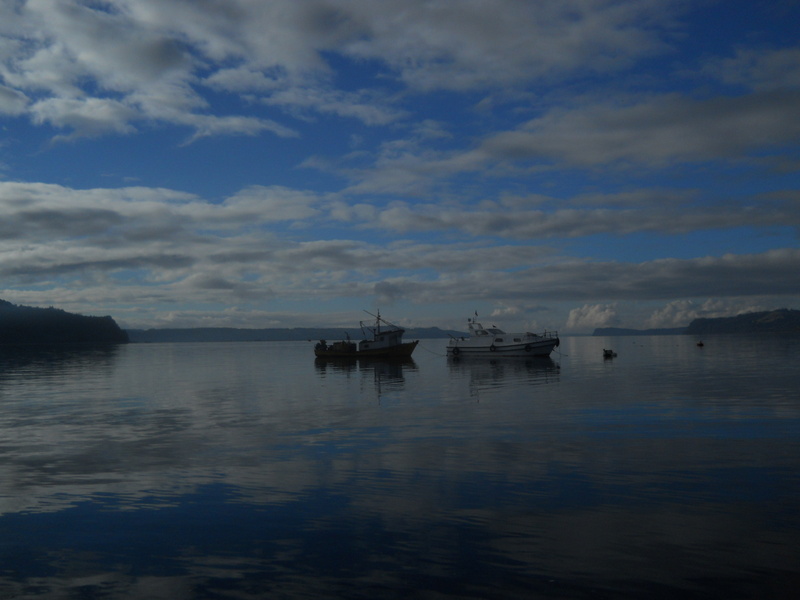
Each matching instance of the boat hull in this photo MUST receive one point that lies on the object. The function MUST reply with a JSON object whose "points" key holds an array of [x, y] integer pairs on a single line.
{"points": [[393, 352], [539, 348]]}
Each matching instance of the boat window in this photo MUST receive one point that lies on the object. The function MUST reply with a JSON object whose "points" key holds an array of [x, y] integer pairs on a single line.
{"points": [[517, 339], [498, 339]]}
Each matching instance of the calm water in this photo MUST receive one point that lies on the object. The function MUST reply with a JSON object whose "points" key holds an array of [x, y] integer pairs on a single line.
{"points": [[250, 471]]}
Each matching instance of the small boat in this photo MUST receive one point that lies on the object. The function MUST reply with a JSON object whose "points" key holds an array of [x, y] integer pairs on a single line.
{"points": [[608, 353], [381, 340], [493, 342]]}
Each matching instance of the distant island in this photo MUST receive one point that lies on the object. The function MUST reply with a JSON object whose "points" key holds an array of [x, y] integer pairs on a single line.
{"points": [[781, 321], [231, 334], [30, 325]]}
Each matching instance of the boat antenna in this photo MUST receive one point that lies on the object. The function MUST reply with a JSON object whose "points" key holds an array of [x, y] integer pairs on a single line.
{"points": [[381, 319]]}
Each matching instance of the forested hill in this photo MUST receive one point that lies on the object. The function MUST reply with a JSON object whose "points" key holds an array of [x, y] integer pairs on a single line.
{"points": [[784, 321], [30, 325]]}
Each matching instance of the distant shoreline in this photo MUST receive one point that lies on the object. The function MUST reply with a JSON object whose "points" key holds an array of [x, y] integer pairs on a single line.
{"points": [[23, 324], [278, 334], [783, 321]]}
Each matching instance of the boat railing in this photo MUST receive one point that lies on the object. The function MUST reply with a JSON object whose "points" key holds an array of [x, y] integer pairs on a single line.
{"points": [[548, 334], [545, 334]]}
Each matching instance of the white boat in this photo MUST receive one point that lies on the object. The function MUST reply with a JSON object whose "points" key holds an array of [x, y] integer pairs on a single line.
{"points": [[495, 343]]}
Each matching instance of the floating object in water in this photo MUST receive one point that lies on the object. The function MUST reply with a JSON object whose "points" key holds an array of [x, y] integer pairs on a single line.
{"points": [[608, 353], [700, 344]]}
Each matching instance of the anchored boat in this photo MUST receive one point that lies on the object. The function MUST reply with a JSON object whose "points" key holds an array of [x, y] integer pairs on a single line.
{"points": [[381, 340], [494, 342]]}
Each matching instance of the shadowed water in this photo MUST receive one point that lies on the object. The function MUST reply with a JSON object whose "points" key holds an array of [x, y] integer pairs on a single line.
{"points": [[251, 470]]}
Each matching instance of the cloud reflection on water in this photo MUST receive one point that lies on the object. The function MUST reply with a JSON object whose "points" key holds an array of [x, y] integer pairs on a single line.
{"points": [[177, 471]]}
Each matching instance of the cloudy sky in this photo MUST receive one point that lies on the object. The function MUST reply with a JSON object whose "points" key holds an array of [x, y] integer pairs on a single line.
{"points": [[560, 164]]}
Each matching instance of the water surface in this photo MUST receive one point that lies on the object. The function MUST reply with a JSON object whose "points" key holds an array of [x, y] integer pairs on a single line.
{"points": [[250, 470]]}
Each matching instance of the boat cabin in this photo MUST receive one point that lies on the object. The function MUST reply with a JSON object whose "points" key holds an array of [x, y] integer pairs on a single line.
{"points": [[477, 329], [383, 339]]}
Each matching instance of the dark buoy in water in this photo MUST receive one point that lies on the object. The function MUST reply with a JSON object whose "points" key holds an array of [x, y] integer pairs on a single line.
{"points": [[700, 344]]}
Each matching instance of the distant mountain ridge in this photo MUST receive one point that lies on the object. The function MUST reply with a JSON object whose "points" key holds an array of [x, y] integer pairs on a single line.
{"points": [[781, 321], [784, 321], [278, 334], [31, 325]]}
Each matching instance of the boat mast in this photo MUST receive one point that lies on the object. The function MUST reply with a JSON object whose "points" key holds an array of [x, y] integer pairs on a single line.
{"points": [[378, 320]]}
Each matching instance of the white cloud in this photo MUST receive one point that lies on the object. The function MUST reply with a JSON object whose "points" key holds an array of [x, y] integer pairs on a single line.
{"points": [[680, 313], [489, 43], [12, 102], [367, 108], [272, 204], [758, 69], [505, 312], [153, 56], [654, 132], [589, 317], [209, 125], [661, 211], [89, 117], [50, 232]]}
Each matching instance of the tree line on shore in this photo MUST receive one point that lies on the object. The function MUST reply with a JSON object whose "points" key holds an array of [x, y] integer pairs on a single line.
{"points": [[31, 325]]}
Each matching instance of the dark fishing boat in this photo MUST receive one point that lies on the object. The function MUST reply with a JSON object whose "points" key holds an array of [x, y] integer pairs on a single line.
{"points": [[382, 339]]}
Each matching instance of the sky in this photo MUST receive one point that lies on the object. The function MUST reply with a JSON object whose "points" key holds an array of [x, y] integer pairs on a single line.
{"points": [[548, 164]]}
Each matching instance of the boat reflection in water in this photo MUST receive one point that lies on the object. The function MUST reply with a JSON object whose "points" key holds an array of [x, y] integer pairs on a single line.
{"points": [[386, 374], [487, 374]]}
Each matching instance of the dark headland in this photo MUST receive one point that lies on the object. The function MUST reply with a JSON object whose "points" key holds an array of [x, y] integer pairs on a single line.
{"points": [[31, 325], [783, 321]]}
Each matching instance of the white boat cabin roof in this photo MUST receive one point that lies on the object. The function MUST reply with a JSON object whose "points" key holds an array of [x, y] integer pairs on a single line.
{"points": [[478, 329]]}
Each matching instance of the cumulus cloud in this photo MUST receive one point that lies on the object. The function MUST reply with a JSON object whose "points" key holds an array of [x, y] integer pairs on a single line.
{"points": [[87, 117], [589, 317], [152, 57], [53, 233], [509, 41], [679, 313], [663, 212]]}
